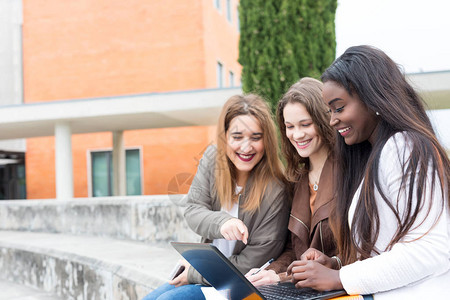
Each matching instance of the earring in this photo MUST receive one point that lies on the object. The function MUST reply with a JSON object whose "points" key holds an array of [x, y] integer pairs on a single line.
{"points": [[377, 113]]}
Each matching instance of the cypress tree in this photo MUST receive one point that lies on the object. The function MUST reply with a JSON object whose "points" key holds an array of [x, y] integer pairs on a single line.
{"points": [[282, 41]]}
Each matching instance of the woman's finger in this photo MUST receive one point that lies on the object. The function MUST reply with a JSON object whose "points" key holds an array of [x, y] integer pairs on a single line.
{"points": [[245, 235], [299, 273], [243, 231], [174, 281], [236, 232], [309, 254], [302, 284], [295, 263], [249, 273]]}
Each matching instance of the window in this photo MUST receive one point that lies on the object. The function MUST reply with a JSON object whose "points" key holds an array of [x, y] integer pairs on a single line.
{"points": [[217, 4], [12, 180], [102, 173], [219, 75], [102, 176], [229, 10], [231, 79], [133, 171]]}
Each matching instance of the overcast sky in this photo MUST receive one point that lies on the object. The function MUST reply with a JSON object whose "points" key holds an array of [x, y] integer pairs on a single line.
{"points": [[414, 33]]}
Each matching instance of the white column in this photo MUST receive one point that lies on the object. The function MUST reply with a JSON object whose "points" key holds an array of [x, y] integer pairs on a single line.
{"points": [[119, 172], [63, 161]]}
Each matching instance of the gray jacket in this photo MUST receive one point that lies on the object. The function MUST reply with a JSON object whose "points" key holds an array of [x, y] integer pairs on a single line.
{"points": [[267, 226]]}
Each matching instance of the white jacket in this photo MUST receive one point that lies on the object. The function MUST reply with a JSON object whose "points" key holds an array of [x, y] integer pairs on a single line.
{"points": [[418, 266]]}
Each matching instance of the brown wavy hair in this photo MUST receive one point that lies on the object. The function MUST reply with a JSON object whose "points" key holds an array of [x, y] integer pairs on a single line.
{"points": [[308, 92], [267, 169]]}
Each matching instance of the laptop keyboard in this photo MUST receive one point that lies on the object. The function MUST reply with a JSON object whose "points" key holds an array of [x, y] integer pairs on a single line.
{"points": [[288, 291]]}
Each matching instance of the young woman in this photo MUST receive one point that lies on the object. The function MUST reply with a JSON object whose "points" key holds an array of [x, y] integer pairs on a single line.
{"points": [[307, 142], [237, 199], [392, 219]]}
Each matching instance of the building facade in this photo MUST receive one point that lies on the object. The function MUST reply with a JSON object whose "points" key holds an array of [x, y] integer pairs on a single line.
{"points": [[85, 49], [94, 57]]}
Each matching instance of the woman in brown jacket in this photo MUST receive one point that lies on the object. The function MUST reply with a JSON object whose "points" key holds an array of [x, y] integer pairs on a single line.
{"points": [[307, 145]]}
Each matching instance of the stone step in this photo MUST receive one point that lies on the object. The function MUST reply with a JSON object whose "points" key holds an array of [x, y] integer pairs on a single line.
{"points": [[84, 267], [13, 291], [147, 219]]}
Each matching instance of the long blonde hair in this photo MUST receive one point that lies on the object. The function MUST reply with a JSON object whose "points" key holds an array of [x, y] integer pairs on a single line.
{"points": [[267, 169]]}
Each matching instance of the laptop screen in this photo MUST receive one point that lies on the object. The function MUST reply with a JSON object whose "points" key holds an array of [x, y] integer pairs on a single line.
{"points": [[218, 270]]}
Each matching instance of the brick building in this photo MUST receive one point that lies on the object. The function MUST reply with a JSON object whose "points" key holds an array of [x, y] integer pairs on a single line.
{"points": [[68, 69], [108, 49]]}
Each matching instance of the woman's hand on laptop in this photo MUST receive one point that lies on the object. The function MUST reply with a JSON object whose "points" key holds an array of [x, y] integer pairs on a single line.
{"points": [[262, 277], [234, 230], [181, 279], [312, 274], [316, 255]]}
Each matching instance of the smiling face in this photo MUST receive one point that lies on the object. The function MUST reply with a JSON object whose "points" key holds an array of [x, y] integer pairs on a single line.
{"points": [[245, 145], [349, 115], [301, 131]]}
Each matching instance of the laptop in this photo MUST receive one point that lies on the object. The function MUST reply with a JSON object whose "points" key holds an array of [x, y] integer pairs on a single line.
{"points": [[226, 278]]}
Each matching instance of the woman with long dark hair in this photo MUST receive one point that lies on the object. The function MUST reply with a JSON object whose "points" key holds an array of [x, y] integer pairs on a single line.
{"points": [[391, 219]]}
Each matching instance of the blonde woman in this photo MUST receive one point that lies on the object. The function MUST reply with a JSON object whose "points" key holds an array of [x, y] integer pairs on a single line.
{"points": [[237, 199]]}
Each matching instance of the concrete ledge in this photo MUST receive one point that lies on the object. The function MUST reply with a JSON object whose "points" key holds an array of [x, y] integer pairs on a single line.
{"points": [[84, 268], [153, 219], [11, 290]]}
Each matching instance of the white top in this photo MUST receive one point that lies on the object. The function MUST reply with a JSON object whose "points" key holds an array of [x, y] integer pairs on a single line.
{"points": [[418, 267], [225, 246]]}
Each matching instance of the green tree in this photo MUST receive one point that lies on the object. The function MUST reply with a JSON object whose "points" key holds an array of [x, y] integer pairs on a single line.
{"points": [[282, 41]]}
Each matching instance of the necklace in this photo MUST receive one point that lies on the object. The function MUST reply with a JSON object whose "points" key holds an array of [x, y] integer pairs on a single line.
{"points": [[315, 186], [317, 172], [314, 182]]}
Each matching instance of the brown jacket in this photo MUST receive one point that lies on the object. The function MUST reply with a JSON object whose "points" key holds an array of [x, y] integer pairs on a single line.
{"points": [[305, 230], [266, 226]]}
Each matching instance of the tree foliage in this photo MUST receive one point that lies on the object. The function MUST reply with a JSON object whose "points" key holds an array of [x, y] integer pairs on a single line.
{"points": [[282, 41]]}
